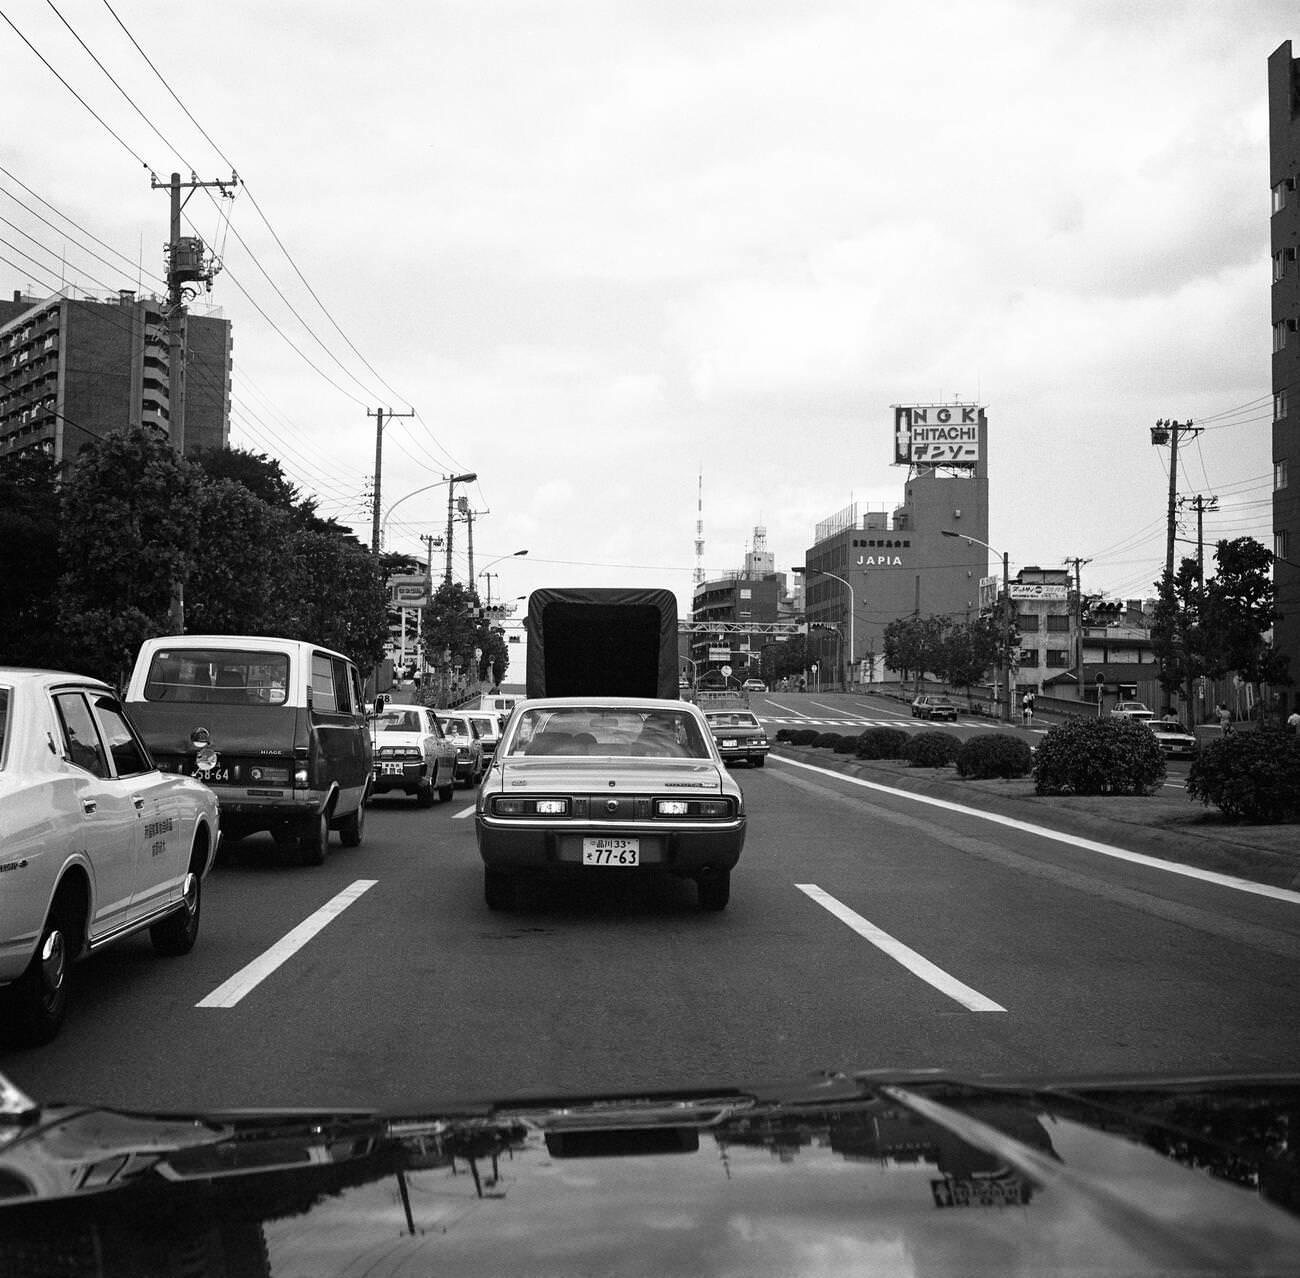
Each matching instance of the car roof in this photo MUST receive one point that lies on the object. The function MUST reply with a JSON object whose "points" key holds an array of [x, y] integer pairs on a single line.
{"points": [[17, 675], [237, 643], [607, 703]]}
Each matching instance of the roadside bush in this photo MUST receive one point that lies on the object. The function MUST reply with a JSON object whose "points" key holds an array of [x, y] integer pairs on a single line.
{"points": [[1098, 756], [881, 743], [846, 745], [994, 754], [1249, 776], [827, 740], [784, 734], [803, 736], [932, 749]]}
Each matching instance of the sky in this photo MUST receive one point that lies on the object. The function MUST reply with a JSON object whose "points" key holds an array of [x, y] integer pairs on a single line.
{"points": [[615, 258]]}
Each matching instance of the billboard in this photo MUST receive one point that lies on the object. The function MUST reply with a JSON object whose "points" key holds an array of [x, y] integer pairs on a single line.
{"points": [[937, 434], [1037, 590]]}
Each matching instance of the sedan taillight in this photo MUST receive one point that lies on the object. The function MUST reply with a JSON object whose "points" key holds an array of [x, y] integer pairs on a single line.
{"points": [[708, 809], [517, 805]]}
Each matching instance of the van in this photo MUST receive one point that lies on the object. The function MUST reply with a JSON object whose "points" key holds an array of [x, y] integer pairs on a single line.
{"points": [[497, 703], [276, 727]]}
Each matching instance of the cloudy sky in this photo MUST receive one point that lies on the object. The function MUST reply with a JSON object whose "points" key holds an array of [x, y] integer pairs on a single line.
{"points": [[603, 249]]}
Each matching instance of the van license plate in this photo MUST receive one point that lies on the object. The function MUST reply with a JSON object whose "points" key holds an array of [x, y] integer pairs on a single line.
{"points": [[212, 775], [619, 852]]}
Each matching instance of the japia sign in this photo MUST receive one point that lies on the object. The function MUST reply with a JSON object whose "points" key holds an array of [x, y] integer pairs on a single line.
{"points": [[937, 434]]}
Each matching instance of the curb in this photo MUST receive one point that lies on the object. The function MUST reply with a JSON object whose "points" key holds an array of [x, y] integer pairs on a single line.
{"points": [[1178, 830]]}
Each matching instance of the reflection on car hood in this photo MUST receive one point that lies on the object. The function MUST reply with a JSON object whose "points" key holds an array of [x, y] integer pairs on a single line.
{"points": [[604, 771], [900, 1173]]}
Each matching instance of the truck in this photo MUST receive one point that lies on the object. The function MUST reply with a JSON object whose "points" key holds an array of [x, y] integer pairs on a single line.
{"points": [[602, 642]]}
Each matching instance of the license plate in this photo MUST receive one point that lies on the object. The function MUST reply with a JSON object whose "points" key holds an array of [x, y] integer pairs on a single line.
{"points": [[394, 769], [212, 775], [729, 742], [619, 852]]}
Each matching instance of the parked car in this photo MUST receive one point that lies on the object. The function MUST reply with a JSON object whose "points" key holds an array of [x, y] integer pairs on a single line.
{"points": [[738, 735], [464, 734], [96, 843], [928, 706], [609, 784], [754, 685], [1133, 710], [1174, 739], [277, 727], [412, 755]]}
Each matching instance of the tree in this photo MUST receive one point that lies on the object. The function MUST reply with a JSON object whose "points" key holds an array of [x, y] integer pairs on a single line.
{"points": [[494, 660], [128, 537], [451, 628], [967, 652], [30, 563], [915, 644]]}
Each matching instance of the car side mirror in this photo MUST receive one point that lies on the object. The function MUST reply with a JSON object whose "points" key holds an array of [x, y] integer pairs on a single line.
{"points": [[381, 700]]}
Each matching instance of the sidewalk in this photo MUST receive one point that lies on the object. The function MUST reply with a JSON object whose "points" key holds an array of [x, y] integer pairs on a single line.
{"points": [[1169, 825]]}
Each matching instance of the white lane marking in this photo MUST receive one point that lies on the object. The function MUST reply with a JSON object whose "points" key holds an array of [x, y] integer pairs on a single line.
{"points": [[463, 813], [1074, 840], [230, 992], [915, 963], [787, 709], [832, 709]]}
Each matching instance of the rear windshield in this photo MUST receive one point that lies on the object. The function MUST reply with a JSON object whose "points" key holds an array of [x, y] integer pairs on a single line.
{"points": [[721, 719], [400, 721], [218, 676], [4, 725], [578, 730]]}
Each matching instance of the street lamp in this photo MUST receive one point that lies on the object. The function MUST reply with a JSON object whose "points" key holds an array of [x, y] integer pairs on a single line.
{"points": [[514, 554], [446, 479], [1004, 607], [853, 606]]}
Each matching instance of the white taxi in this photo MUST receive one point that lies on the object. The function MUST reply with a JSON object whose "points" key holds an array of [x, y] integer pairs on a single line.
{"points": [[95, 842]]}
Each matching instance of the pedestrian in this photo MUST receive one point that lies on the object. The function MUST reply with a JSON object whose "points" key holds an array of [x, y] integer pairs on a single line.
{"points": [[1225, 717], [1027, 708], [1293, 722]]}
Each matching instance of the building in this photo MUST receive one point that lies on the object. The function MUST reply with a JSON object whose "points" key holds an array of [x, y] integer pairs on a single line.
{"points": [[732, 603], [1284, 235], [862, 572], [76, 369], [1046, 617]]}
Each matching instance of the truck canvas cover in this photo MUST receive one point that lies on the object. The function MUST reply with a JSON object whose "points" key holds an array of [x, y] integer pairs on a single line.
{"points": [[602, 642]]}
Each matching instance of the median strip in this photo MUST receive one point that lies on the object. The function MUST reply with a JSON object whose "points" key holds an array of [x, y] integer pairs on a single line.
{"points": [[248, 978], [915, 963]]}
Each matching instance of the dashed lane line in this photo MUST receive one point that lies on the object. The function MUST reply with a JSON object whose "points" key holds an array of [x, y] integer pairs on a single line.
{"points": [[463, 813], [249, 977], [915, 963], [1059, 836]]}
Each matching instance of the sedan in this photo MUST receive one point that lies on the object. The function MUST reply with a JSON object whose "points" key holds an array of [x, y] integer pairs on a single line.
{"points": [[1133, 710], [489, 733], [98, 844], [1174, 739], [738, 736], [603, 785], [753, 685], [464, 734], [931, 707], [412, 755]]}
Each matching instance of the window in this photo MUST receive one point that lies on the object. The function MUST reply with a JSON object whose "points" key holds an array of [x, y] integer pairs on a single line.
{"points": [[322, 684], [1058, 622], [1058, 658], [1281, 544], [1279, 474], [1282, 194], [1027, 623], [1283, 260], [1279, 336], [1279, 406], [342, 686], [1028, 657], [222, 675], [81, 743], [130, 758]]}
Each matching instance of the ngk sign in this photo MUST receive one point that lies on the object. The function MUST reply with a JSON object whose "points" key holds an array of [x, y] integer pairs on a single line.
{"points": [[937, 434]]}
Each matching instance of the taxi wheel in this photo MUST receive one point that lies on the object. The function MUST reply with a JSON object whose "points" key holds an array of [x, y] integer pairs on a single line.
{"points": [[352, 829], [38, 1000], [757, 761], [445, 792], [498, 890], [714, 890], [314, 840], [176, 934], [425, 795]]}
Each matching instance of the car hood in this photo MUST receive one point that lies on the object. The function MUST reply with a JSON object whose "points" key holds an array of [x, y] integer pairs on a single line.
{"points": [[897, 1173], [520, 775]]}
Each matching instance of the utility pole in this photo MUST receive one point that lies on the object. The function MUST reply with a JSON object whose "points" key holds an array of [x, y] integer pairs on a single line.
{"points": [[378, 415], [1202, 504], [1078, 625], [1169, 432], [185, 267], [466, 510]]}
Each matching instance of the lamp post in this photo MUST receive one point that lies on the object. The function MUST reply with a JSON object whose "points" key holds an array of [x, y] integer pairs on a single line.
{"points": [[853, 607], [514, 554], [446, 479], [1004, 621]]}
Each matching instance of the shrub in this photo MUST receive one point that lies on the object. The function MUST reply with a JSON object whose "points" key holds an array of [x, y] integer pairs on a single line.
{"points": [[881, 743], [994, 754], [803, 736], [932, 749], [1251, 776], [784, 734], [846, 745], [827, 740], [1098, 756]]}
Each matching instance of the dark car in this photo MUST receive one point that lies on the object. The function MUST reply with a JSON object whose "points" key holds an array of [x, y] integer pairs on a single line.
{"points": [[932, 707], [739, 736]]}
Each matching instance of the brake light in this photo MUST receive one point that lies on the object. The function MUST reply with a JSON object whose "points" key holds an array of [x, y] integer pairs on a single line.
{"points": [[709, 809]]}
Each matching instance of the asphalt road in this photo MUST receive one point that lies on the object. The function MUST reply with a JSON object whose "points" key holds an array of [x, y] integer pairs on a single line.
{"points": [[866, 930]]}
